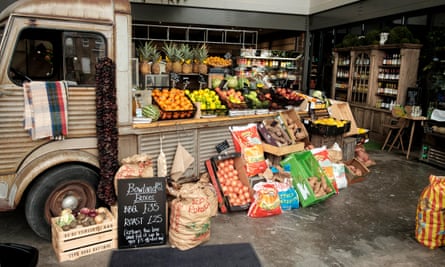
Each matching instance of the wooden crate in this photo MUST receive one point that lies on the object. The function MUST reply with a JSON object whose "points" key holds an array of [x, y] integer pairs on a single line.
{"points": [[283, 150], [84, 240]]}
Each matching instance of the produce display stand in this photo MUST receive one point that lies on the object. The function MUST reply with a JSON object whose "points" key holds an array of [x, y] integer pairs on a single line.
{"points": [[84, 240]]}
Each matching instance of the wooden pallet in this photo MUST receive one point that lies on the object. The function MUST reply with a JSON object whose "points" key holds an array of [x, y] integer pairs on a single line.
{"points": [[84, 240]]}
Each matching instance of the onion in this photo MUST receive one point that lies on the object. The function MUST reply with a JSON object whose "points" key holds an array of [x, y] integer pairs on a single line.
{"points": [[99, 218], [92, 213], [85, 211]]}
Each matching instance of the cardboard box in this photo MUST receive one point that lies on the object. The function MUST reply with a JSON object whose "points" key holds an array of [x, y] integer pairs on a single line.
{"points": [[283, 150], [300, 133], [351, 177], [84, 240]]}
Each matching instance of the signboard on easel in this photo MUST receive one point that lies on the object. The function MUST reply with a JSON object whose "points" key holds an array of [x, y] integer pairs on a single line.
{"points": [[142, 212]]}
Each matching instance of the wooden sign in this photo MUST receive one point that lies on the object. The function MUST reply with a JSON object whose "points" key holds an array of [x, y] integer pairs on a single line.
{"points": [[141, 212]]}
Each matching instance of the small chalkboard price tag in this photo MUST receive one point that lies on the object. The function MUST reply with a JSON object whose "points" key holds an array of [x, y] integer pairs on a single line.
{"points": [[141, 212]]}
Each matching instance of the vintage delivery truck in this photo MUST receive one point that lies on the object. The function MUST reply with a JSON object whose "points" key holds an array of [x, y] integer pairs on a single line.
{"points": [[57, 40]]}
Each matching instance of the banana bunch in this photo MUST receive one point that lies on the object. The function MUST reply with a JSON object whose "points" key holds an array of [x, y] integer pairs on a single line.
{"points": [[331, 122]]}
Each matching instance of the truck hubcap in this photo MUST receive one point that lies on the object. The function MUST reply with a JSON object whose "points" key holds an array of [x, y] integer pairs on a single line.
{"points": [[72, 195]]}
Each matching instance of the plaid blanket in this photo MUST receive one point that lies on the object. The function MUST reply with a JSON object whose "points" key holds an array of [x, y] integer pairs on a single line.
{"points": [[46, 109]]}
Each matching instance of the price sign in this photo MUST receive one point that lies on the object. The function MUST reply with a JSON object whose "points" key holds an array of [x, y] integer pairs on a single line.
{"points": [[141, 212]]}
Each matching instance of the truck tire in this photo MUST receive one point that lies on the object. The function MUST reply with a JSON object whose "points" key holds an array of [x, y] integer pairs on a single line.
{"points": [[68, 186]]}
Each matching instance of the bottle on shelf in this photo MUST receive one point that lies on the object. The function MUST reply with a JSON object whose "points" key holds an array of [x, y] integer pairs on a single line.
{"points": [[137, 107]]}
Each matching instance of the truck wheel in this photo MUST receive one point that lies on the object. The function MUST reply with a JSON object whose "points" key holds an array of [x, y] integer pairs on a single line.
{"points": [[72, 186]]}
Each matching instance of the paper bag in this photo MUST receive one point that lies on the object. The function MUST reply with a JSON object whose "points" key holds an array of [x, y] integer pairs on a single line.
{"points": [[181, 162]]}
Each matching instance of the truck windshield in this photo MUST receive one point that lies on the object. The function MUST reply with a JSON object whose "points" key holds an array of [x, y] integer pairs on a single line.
{"points": [[49, 55]]}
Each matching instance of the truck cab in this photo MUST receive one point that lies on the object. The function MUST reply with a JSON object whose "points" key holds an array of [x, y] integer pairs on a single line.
{"points": [[57, 40]]}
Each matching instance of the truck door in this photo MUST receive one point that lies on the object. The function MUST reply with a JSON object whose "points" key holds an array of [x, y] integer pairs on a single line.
{"points": [[53, 180]]}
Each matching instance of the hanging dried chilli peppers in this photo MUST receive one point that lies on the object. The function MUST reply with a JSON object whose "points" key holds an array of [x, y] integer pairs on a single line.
{"points": [[106, 129]]}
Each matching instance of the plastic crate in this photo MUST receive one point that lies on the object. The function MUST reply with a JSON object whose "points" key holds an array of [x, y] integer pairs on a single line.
{"points": [[304, 165], [84, 240]]}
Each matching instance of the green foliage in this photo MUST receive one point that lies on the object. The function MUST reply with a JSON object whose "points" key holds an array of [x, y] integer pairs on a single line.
{"points": [[146, 51], [401, 34], [372, 37]]}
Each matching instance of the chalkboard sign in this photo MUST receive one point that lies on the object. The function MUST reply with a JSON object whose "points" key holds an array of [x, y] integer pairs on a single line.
{"points": [[141, 212]]}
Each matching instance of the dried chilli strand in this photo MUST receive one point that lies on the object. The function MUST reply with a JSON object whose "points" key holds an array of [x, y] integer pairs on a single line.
{"points": [[106, 129]]}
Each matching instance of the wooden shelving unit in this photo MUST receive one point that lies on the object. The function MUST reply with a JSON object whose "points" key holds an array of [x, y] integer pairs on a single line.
{"points": [[374, 78]]}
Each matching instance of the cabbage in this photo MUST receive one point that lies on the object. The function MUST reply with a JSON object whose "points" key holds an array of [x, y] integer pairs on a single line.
{"points": [[232, 82], [216, 82]]}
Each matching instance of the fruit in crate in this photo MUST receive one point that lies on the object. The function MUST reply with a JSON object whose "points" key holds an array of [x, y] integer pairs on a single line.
{"points": [[257, 100], [289, 94], [216, 61], [230, 95], [208, 98], [231, 185], [331, 122], [172, 100]]}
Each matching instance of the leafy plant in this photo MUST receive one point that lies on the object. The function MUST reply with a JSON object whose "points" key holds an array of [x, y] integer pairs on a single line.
{"points": [[147, 51], [401, 34]]}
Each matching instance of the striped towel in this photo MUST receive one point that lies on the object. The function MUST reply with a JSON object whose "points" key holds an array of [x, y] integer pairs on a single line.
{"points": [[46, 109]]}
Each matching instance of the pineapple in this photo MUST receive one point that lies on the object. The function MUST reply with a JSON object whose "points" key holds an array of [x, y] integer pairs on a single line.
{"points": [[156, 66], [187, 56], [201, 54], [146, 53], [172, 55]]}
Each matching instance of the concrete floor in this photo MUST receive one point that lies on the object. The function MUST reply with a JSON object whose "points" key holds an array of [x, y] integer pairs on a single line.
{"points": [[370, 223]]}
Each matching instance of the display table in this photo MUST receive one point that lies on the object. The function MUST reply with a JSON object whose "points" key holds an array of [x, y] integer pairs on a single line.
{"points": [[410, 122]]}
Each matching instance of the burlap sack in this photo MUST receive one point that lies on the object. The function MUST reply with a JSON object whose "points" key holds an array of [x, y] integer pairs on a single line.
{"points": [[139, 165], [190, 214]]}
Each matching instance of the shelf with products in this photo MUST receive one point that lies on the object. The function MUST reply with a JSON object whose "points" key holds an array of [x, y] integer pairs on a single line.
{"points": [[360, 77], [277, 69], [378, 78], [341, 73], [376, 74], [397, 71]]}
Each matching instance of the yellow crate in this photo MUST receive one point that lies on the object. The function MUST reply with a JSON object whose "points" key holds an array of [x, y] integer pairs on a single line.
{"points": [[84, 240]]}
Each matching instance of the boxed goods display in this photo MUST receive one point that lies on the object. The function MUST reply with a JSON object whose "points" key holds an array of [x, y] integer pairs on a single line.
{"points": [[276, 138], [355, 170], [231, 182], [308, 178], [81, 240], [209, 102], [173, 104], [329, 126], [295, 127]]}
